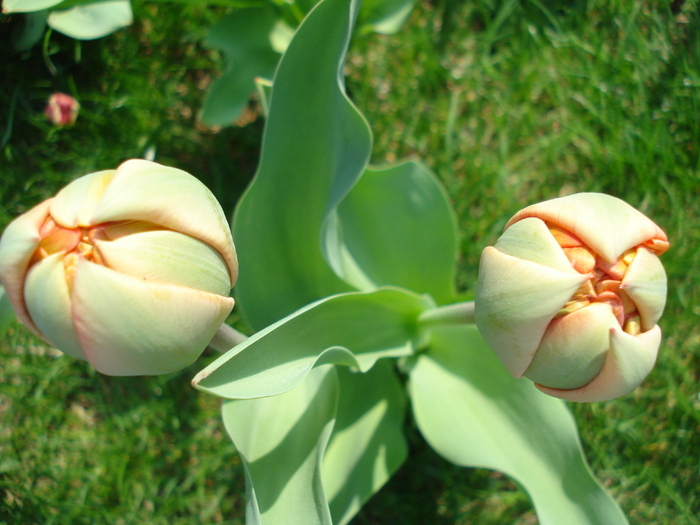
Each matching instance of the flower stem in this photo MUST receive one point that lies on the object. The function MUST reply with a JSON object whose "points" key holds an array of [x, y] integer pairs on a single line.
{"points": [[452, 314], [226, 338]]}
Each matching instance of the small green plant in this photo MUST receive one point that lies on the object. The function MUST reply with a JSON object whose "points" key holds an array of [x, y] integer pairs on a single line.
{"points": [[348, 287]]}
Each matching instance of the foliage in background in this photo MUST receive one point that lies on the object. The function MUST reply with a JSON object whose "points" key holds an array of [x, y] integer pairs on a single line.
{"points": [[507, 102], [253, 36], [81, 19], [253, 40]]}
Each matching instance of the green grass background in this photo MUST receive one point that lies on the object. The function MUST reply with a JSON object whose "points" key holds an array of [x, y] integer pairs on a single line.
{"points": [[509, 102]]}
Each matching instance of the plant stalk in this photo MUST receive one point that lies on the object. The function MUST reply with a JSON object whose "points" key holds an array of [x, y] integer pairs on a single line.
{"points": [[226, 338], [452, 314]]}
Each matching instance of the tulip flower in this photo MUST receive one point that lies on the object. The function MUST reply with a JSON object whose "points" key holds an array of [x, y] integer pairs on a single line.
{"points": [[571, 294], [129, 269], [62, 109]]}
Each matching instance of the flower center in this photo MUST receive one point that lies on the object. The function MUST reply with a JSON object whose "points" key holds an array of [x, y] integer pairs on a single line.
{"points": [[77, 241], [603, 285], [74, 243]]}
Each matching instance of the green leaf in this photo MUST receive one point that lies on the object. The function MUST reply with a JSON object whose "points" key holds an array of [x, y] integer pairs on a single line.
{"points": [[244, 37], [367, 445], [353, 329], [385, 16], [7, 313], [27, 6], [397, 228], [281, 441], [474, 413], [315, 146], [30, 30], [87, 22]]}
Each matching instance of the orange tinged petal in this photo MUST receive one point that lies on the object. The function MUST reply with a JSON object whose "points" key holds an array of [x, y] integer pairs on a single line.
{"points": [[19, 242], [516, 300], [628, 362], [128, 326], [607, 225]]}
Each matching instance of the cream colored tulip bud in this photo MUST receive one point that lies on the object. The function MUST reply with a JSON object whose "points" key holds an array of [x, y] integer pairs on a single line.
{"points": [[129, 269], [570, 296]]}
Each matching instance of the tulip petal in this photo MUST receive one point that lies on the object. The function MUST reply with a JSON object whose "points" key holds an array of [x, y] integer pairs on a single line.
{"points": [[531, 239], [75, 204], [168, 257], [49, 303], [131, 327], [573, 349], [607, 225], [645, 283], [516, 300], [146, 191], [19, 242], [629, 361]]}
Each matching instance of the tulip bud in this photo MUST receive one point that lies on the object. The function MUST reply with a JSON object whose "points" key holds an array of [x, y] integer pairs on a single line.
{"points": [[62, 109], [129, 269], [570, 296]]}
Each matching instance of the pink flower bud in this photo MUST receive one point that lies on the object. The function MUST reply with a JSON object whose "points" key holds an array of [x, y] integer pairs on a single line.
{"points": [[62, 109], [129, 269], [570, 296]]}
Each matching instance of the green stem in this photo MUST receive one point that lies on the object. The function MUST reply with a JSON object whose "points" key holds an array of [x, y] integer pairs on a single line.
{"points": [[453, 314], [226, 338]]}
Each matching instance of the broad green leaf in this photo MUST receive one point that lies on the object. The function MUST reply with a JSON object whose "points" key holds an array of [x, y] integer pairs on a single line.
{"points": [[87, 22], [229, 95], [281, 441], [353, 329], [244, 37], [397, 228], [315, 146], [385, 16], [30, 30], [473, 413], [27, 6], [367, 445]]}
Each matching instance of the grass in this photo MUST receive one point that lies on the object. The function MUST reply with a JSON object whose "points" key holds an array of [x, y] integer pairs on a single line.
{"points": [[508, 102]]}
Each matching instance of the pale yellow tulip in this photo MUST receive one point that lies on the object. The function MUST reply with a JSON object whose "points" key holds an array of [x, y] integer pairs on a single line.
{"points": [[570, 296], [129, 269]]}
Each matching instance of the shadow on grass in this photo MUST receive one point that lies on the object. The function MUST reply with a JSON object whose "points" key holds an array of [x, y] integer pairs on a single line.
{"points": [[429, 489]]}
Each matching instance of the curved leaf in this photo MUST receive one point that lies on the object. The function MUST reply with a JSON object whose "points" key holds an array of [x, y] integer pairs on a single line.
{"points": [[281, 441], [244, 37], [474, 413], [315, 146], [353, 329], [87, 22], [385, 16], [30, 30], [27, 6], [367, 445], [397, 228]]}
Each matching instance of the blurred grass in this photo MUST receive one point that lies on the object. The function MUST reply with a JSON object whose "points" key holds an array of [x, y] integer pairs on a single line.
{"points": [[510, 102]]}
